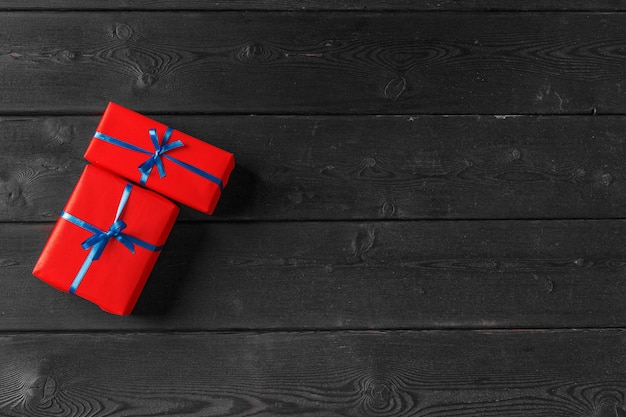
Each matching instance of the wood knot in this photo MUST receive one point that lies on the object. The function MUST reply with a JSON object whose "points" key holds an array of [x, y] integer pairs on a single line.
{"points": [[370, 168], [12, 192], [254, 51], [606, 179], [549, 285], [515, 154], [609, 403], [380, 393], [122, 31], [43, 389], [394, 88], [383, 398], [328, 170], [387, 209], [251, 50], [610, 410], [65, 56], [146, 80], [369, 162], [361, 244], [59, 131]]}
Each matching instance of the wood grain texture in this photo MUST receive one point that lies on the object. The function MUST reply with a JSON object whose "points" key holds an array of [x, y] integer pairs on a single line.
{"points": [[294, 63], [346, 275], [315, 374], [297, 5], [366, 168]]}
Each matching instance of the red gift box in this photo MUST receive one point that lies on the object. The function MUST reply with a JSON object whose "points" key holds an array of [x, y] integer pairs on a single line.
{"points": [[106, 241], [165, 160]]}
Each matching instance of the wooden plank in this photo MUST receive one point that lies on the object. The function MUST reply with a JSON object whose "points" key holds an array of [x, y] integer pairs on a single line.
{"points": [[340, 63], [296, 5], [345, 275], [331, 167], [562, 373]]}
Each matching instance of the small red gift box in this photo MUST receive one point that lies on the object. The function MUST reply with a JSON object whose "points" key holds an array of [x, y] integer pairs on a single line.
{"points": [[106, 241], [165, 160]]}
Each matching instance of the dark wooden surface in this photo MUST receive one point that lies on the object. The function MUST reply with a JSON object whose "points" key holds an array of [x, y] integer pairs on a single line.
{"points": [[315, 5], [347, 275], [551, 373], [426, 217], [356, 167], [322, 62]]}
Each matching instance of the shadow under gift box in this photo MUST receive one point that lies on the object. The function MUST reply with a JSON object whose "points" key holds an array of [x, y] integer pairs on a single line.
{"points": [[115, 280], [179, 166]]}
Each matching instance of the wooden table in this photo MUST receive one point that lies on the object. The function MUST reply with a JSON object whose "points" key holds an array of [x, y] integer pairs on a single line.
{"points": [[426, 217]]}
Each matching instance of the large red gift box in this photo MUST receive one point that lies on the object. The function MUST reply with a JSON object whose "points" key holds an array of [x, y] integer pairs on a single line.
{"points": [[165, 160], [106, 241]]}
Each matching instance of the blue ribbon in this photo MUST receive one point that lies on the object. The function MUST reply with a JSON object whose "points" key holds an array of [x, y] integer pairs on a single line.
{"points": [[98, 241], [160, 148]]}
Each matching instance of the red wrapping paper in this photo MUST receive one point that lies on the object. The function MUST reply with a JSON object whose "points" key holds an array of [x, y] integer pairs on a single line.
{"points": [[113, 282], [179, 183]]}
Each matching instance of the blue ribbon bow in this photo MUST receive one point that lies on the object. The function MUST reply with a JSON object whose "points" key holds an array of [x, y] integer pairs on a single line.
{"points": [[98, 241], [161, 147]]}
